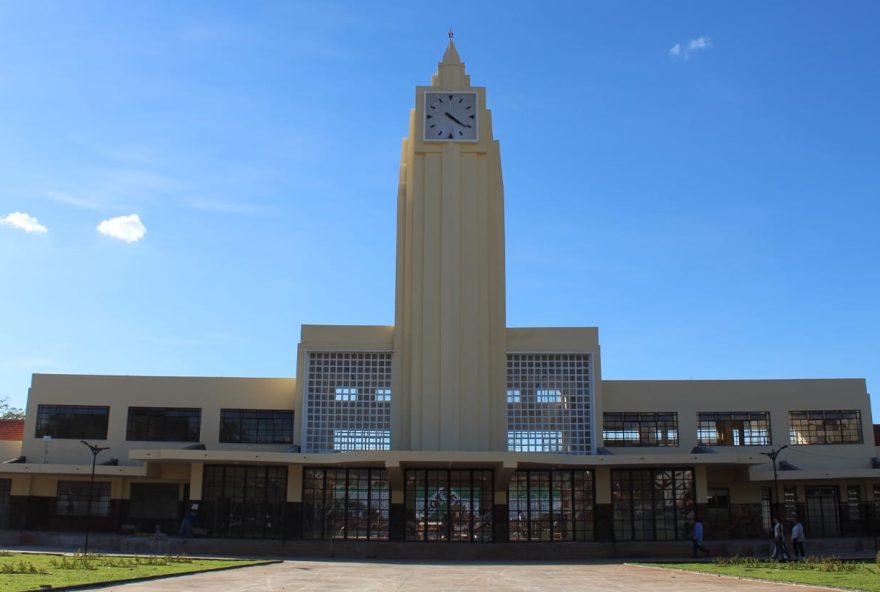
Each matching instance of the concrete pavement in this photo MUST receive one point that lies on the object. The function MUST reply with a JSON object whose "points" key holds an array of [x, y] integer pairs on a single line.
{"points": [[338, 576]]}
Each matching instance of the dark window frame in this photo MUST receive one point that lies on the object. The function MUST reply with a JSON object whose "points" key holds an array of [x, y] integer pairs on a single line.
{"points": [[456, 519], [734, 428], [536, 502], [154, 424], [640, 510], [351, 516], [72, 498], [66, 427], [825, 427], [277, 423], [663, 425]]}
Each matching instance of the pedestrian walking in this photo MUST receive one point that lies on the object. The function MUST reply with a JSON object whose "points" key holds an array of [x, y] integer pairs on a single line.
{"points": [[697, 536], [797, 538], [780, 553]]}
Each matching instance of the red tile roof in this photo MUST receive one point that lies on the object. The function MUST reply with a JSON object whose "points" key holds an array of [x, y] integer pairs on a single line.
{"points": [[12, 429]]}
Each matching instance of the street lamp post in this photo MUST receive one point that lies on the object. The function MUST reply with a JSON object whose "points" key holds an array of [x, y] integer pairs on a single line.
{"points": [[96, 450], [774, 452]]}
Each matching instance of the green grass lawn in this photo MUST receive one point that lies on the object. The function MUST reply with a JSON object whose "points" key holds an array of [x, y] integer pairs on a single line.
{"points": [[31, 571], [821, 572]]}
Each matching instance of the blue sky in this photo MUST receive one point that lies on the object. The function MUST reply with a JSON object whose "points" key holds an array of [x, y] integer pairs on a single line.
{"points": [[700, 180]]}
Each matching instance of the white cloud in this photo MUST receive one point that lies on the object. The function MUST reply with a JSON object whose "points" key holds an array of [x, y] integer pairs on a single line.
{"points": [[24, 222], [684, 51], [125, 228], [699, 43]]}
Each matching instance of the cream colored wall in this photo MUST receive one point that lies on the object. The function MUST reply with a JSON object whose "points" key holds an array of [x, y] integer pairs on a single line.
{"points": [[9, 449], [120, 392], [688, 397], [450, 302]]}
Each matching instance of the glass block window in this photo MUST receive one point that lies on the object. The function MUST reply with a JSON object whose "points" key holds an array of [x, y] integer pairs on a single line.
{"points": [[652, 504], [737, 428], [640, 429], [348, 401], [551, 505], [256, 426], [361, 440], [347, 394], [825, 427], [72, 421], [349, 504], [72, 498], [448, 505], [163, 424], [534, 441], [553, 405]]}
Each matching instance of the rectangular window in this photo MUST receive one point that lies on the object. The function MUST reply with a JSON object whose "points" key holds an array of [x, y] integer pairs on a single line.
{"points": [[854, 502], [548, 396], [652, 504], [73, 422], [553, 505], [766, 508], [527, 441], [163, 424], [243, 501], [348, 504], [347, 394], [826, 427], [735, 428], [448, 505], [256, 426], [72, 498], [640, 429], [361, 440], [789, 503], [347, 401], [877, 503], [156, 501], [823, 511], [549, 403]]}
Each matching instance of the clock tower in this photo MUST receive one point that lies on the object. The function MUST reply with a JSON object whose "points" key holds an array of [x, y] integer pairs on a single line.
{"points": [[450, 319]]}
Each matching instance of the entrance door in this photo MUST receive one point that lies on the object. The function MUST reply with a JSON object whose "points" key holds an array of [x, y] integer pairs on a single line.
{"points": [[5, 492], [823, 511]]}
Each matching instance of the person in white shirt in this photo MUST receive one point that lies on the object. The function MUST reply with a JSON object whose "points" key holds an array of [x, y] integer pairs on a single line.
{"points": [[780, 553], [797, 538]]}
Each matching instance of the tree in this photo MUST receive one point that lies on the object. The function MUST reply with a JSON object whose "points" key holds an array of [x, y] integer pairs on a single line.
{"points": [[7, 411]]}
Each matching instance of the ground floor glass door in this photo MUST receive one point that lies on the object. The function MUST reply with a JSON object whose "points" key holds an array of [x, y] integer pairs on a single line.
{"points": [[449, 505], [823, 511]]}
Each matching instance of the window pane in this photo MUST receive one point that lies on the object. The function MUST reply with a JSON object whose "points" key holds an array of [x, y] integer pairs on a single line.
{"points": [[163, 424], [72, 421], [256, 426]]}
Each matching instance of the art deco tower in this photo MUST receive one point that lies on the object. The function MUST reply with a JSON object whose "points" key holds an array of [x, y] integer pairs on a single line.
{"points": [[449, 336]]}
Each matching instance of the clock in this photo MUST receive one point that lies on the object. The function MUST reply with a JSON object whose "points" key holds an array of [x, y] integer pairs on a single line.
{"points": [[450, 117]]}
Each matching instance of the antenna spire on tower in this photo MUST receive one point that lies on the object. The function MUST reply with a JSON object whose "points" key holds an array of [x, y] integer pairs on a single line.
{"points": [[451, 34]]}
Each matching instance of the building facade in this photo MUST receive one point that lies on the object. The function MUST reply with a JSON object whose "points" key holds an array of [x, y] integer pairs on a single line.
{"points": [[448, 426]]}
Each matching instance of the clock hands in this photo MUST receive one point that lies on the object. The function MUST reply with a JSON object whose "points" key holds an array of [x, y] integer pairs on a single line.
{"points": [[453, 118]]}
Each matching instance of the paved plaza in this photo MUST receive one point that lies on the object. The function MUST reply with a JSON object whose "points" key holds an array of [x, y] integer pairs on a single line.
{"points": [[337, 576]]}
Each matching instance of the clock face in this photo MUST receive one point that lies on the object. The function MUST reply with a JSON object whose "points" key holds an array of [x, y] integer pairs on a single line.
{"points": [[450, 116]]}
